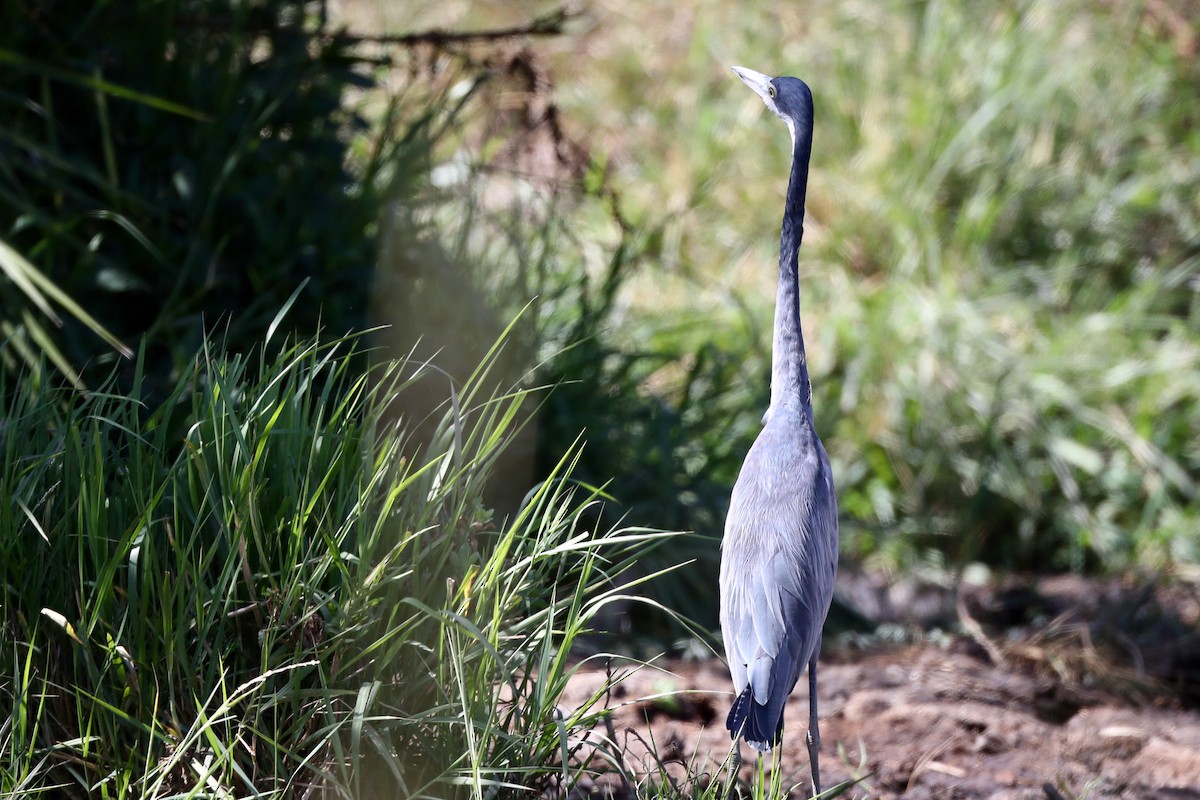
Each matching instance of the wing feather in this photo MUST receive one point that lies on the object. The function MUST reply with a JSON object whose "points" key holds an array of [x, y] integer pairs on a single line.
{"points": [[780, 554]]}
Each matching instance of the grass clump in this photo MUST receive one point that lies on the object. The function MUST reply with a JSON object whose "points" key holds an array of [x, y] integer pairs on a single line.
{"points": [[172, 164], [262, 586], [1016, 287]]}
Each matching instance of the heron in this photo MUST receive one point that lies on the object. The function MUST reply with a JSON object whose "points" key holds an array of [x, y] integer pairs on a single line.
{"points": [[780, 549]]}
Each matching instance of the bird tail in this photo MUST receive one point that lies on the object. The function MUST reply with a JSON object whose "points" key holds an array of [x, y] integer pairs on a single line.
{"points": [[752, 721]]}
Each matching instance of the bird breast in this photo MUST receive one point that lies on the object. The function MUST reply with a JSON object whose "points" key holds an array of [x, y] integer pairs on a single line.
{"points": [[776, 494]]}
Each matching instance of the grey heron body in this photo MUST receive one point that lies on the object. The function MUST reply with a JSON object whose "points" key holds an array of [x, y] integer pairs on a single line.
{"points": [[780, 548]]}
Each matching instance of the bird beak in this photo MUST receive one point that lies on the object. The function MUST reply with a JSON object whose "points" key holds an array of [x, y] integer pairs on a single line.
{"points": [[756, 81]]}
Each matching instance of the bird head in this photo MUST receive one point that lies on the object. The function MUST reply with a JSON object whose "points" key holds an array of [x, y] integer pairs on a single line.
{"points": [[789, 98]]}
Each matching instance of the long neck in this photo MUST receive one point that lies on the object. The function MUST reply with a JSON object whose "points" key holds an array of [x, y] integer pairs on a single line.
{"points": [[790, 385]]}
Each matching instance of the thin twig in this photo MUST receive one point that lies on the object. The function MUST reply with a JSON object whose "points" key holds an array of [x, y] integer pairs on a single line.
{"points": [[550, 24], [975, 631]]}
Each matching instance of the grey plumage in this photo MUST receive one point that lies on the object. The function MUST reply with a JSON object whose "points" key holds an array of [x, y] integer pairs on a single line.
{"points": [[780, 549]]}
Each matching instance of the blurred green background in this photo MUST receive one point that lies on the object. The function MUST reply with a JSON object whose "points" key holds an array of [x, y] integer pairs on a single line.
{"points": [[1001, 273], [278, 511]]}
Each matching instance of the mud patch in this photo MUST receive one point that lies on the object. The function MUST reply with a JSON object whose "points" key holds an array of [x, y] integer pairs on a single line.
{"points": [[1041, 711]]}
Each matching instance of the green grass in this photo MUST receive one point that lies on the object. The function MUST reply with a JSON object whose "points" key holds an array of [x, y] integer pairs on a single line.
{"points": [[999, 273], [184, 172], [245, 575], [262, 586]]}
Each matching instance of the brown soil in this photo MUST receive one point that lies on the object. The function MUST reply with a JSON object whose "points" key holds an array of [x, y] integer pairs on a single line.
{"points": [[1044, 711]]}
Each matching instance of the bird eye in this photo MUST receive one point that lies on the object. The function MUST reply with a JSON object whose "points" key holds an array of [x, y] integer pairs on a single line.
{"points": [[771, 90]]}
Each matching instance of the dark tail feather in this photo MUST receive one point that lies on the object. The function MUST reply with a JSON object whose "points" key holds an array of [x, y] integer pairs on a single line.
{"points": [[751, 721]]}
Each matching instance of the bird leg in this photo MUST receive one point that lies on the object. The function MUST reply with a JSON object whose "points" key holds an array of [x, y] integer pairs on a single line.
{"points": [[814, 732], [735, 768]]}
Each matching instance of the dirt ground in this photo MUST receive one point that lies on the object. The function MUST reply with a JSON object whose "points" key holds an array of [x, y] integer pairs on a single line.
{"points": [[1042, 710]]}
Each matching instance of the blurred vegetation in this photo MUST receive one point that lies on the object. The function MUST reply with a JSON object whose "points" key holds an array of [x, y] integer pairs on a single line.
{"points": [[240, 564], [1000, 276], [176, 164], [1000, 273], [1000, 267]]}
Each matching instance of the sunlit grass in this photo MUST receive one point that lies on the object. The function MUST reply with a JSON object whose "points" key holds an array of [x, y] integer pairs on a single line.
{"points": [[263, 586]]}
